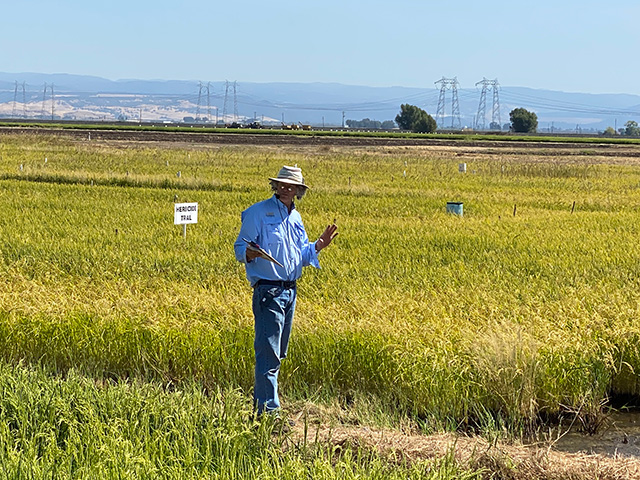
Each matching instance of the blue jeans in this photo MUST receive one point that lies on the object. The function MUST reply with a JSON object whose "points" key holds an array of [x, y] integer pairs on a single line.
{"points": [[273, 309]]}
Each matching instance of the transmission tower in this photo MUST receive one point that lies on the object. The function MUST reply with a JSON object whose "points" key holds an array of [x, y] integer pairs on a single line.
{"points": [[441, 98], [456, 123], [15, 101], [209, 101], [226, 96], [44, 96], [235, 101], [52, 103], [445, 84], [495, 111], [24, 100], [482, 106], [199, 98]]}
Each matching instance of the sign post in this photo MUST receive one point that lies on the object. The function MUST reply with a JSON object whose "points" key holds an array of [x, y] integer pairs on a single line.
{"points": [[183, 214]]}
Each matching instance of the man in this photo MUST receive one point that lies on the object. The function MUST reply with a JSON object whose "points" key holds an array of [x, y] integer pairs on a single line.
{"points": [[276, 226]]}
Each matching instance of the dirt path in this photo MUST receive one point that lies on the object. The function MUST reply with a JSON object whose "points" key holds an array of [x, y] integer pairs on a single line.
{"points": [[505, 461], [454, 147]]}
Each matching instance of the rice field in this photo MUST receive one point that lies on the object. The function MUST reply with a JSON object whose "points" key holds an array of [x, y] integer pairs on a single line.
{"points": [[522, 312]]}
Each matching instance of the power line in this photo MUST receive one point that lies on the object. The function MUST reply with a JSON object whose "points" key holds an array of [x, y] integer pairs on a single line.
{"points": [[565, 106], [421, 98]]}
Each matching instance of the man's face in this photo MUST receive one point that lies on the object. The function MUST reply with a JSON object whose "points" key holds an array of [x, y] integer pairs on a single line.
{"points": [[286, 192]]}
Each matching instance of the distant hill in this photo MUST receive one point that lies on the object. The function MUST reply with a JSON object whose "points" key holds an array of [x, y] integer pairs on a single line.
{"points": [[93, 98]]}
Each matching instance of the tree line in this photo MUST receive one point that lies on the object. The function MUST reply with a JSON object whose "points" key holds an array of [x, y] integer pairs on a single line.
{"points": [[372, 124], [417, 120]]}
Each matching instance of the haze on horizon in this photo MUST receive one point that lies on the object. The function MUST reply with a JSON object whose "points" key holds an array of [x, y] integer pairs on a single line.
{"points": [[570, 46]]}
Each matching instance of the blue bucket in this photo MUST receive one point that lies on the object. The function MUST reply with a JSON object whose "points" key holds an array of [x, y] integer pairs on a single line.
{"points": [[455, 208]]}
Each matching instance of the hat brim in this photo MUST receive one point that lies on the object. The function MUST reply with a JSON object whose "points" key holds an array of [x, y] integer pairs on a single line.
{"points": [[290, 182]]}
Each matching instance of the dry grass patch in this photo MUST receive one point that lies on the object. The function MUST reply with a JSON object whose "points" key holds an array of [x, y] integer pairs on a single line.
{"points": [[495, 459]]}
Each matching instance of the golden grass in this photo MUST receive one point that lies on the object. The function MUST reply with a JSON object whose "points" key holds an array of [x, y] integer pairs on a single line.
{"points": [[492, 314]]}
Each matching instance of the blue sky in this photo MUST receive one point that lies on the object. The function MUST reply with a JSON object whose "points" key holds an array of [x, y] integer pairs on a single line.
{"points": [[573, 46]]}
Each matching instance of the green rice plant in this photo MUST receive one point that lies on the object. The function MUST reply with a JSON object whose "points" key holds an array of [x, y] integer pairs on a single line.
{"points": [[74, 427]]}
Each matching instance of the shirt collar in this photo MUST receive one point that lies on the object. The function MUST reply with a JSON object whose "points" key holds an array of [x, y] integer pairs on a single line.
{"points": [[282, 206]]}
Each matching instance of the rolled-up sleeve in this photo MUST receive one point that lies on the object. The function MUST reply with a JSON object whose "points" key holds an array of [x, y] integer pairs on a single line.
{"points": [[309, 254]]}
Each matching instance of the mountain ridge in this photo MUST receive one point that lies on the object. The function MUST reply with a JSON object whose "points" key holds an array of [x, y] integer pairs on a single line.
{"points": [[80, 97]]}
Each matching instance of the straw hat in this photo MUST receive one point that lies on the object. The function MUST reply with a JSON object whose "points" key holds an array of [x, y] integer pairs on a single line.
{"points": [[290, 175]]}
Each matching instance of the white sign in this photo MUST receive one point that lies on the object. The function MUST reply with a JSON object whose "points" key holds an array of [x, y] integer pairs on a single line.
{"points": [[185, 213]]}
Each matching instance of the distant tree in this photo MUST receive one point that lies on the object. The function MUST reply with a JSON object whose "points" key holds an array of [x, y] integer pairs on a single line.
{"points": [[523, 121], [364, 123], [388, 125], [425, 124], [415, 119], [632, 129], [609, 132], [494, 126], [188, 119], [408, 115]]}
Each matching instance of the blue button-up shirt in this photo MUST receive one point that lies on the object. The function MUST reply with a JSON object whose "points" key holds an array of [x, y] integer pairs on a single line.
{"points": [[282, 235]]}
